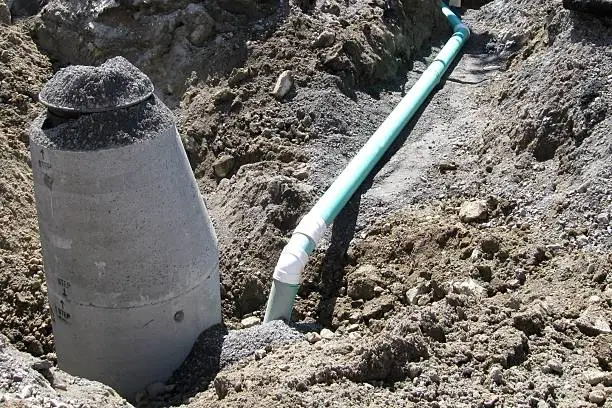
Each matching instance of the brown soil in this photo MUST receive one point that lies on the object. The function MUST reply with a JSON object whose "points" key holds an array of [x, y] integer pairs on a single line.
{"points": [[428, 309], [24, 316]]}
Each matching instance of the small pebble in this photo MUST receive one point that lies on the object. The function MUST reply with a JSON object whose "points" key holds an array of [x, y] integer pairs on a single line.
{"points": [[597, 397], [250, 321], [497, 375], [259, 354], [313, 337], [555, 366], [327, 334]]}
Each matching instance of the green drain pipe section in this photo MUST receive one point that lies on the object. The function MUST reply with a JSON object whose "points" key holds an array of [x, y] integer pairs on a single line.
{"points": [[288, 271]]}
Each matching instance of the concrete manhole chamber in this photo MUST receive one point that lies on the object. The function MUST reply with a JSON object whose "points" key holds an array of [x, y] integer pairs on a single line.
{"points": [[131, 257]]}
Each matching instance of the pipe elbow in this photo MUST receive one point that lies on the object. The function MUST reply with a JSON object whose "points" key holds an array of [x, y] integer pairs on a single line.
{"points": [[291, 264]]}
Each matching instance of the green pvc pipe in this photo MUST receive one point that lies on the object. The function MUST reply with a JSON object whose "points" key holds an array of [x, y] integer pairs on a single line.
{"points": [[282, 295]]}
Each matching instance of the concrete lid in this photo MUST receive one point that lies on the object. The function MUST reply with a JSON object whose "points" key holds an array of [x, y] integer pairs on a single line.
{"points": [[113, 85]]}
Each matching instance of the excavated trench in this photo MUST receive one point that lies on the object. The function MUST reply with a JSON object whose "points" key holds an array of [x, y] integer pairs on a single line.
{"points": [[509, 307]]}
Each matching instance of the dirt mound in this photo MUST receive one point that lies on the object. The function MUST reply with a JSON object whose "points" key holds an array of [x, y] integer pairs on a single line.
{"points": [[24, 313], [567, 100], [166, 40], [476, 325]]}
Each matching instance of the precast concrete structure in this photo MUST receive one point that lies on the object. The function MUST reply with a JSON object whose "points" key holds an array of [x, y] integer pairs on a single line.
{"points": [[130, 254]]}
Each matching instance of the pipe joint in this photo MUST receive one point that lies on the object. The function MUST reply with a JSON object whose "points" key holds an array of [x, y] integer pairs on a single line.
{"points": [[462, 29], [313, 226], [291, 263]]}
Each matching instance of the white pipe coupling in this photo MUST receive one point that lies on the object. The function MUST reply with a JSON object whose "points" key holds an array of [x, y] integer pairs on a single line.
{"points": [[312, 226], [291, 264]]}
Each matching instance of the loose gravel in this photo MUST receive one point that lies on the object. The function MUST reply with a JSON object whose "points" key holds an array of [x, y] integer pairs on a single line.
{"points": [[217, 348], [86, 89], [102, 130]]}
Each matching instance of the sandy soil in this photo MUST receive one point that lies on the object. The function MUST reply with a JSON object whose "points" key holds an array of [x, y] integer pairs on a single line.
{"points": [[413, 302]]}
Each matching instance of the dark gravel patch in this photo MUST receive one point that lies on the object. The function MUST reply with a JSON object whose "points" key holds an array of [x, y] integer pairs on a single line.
{"points": [[86, 89], [103, 130]]}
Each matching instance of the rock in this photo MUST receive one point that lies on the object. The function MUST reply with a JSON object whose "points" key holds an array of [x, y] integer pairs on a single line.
{"points": [[594, 377], [250, 321], [489, 244], [259, 354], [602, 349], [592, 323], [536, 255], [491, 403], [597, 397], [222, 386], [555, 366], [508, 347], [469, 287], [600, 276], [283, 84], [603, 218], [25, 392], [327, 334], [376, 308], [413, 294], [156, 389], [353, 327], [355, 317], [447, 166], [238, 76], [224, 95], [472, 211], [325, 39], [41, 365], [584, 186], [313, 337], [414, 370], [331, 7], [529, 322], [5, 13], [497, 375], [223, 165], [362, 282]]}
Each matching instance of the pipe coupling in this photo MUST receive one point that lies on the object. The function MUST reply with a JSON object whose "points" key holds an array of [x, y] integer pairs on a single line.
{"points": [[463, 29], [313, 226]]}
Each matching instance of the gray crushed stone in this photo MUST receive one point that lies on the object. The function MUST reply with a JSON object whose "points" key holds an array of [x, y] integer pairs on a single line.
{"points": [[240, 344], [86, 89], [102, 130], [217, 348]]}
